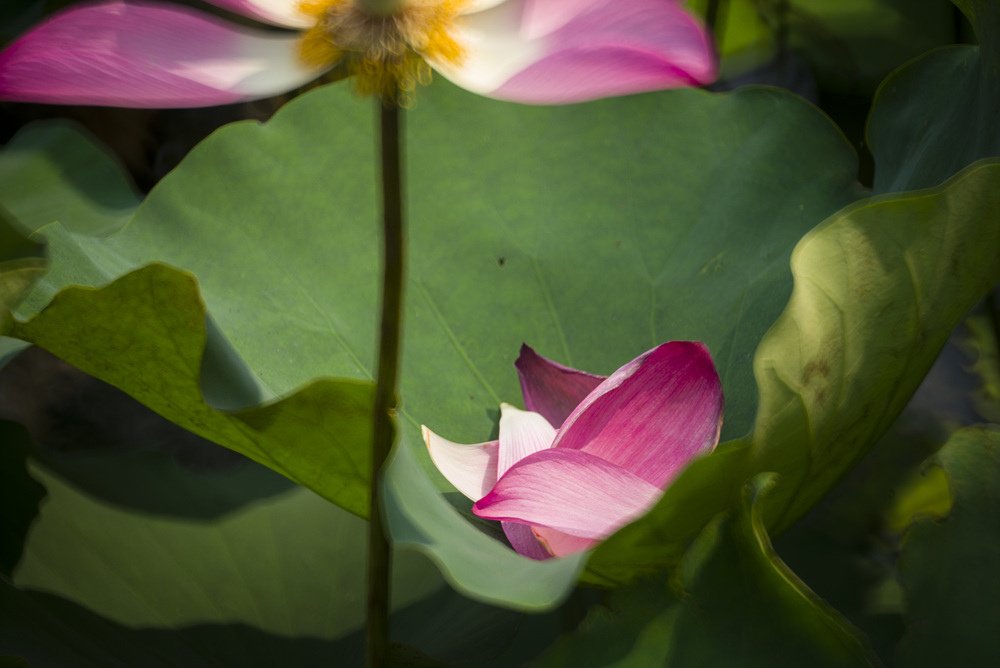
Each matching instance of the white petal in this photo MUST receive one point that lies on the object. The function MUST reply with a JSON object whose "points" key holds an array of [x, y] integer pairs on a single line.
{"points": [[283, 13], [494, 48], [472, 6], [521, 433], [472, 469]]}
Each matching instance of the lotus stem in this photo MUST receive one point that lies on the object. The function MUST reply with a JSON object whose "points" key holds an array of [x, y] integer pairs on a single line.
{"points": [[383, 431]]}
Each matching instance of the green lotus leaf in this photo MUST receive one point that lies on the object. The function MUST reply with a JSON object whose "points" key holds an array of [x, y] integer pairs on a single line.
{"points": [[22, 262], [920, 139], [830, 379], [853, 44], [736, 604], [146, 333], [983, 348], [277, 222], [948, 567], [275, 582], [879, 288], [850, 45], [55, 171], [20, 495]]}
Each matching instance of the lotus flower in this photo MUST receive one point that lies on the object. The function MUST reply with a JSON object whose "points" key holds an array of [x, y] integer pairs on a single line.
{"points": [[147, 54], [589, 454]]}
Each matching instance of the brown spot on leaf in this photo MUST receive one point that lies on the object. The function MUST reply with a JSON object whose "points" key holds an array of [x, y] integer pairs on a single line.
{"points": [[820, 368]]}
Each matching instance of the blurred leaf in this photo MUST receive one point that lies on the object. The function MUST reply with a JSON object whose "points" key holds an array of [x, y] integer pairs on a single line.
{"points": [[948, 568], [278, 224], [740, 606], [983, 347], [22, 262], [743, 35], [924, 495], [920, 139], [276, 583], [853, 44], [16, 16], [55, 171], [20, 495]]}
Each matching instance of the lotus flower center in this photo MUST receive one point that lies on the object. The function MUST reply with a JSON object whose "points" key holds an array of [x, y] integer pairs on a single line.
{"points": [[385, 54]]}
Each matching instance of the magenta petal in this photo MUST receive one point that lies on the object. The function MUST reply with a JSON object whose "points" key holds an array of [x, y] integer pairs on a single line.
{"points": [[540, 17], [614, 47], [147, 55], [523, 540], [653, 415], [570, 491], [550, 388]]}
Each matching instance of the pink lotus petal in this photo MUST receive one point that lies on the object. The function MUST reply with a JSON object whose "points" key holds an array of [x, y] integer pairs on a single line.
{"points": [[147, 55], [522, 433], [559, 544], [653, 415], [472, 469], [550, 388], [523, 540], [570, 491], [283, 13], [606, 48], [541, 17]]}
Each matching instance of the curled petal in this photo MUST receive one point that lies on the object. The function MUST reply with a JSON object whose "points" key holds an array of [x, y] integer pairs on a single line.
{"points": [[472, 469], [284, 13], [147, 55], [559, 544], [604, 48], [550, 388], [522, 433], [523, 540], [653, 415], [570, 491]]}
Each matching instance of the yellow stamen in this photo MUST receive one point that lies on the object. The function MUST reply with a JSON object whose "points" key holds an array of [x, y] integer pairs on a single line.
{"points": [[384, 53]]}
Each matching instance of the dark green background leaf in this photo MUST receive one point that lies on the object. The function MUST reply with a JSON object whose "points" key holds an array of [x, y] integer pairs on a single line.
{"points": [[942, 112], [948, 568], [20, 495]]}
